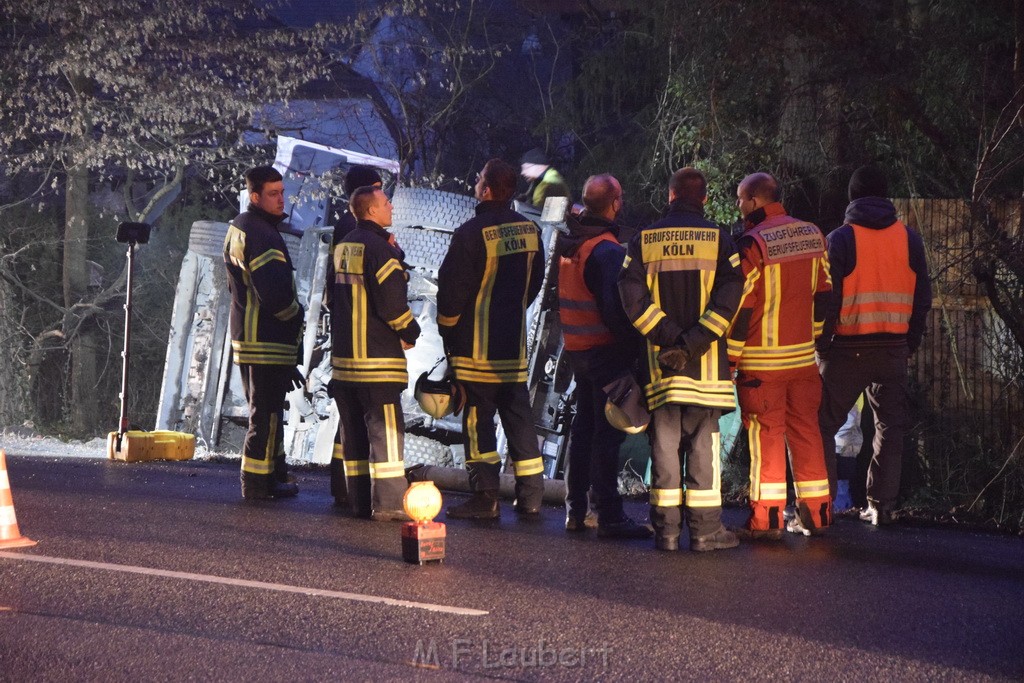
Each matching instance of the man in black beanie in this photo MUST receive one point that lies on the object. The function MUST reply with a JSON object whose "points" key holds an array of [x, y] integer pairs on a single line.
{"points": [[356, 177], [874, 320]]}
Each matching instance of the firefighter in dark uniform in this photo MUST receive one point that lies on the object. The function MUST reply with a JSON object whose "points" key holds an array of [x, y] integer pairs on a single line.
{"points": [[357, 176], [491, 273], [681, 285], [875, 320], [371, 327], [266, 327], [602, 347]]}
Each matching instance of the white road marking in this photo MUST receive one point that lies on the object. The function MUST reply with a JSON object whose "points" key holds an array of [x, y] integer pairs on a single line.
{"points": [[244, 583]]}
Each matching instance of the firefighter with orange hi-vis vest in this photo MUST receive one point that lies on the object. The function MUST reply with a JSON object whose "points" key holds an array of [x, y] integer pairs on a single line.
{"points": [[602, 347], [771, 343]]}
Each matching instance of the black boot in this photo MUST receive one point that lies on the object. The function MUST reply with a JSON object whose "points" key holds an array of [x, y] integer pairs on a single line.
{"points": [[481, 505]]}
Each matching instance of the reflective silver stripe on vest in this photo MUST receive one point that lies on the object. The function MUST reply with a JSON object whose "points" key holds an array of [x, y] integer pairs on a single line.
{"points": [[585, 329], [574, 305], [878, 297], [875, 317]]}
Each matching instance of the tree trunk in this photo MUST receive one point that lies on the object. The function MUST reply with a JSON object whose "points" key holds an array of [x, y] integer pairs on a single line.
{"points": [[809, 129], [83, 345], [12, 378]]}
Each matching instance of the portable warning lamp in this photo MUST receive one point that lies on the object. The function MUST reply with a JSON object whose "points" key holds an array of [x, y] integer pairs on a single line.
{"points": [[422, 538]]}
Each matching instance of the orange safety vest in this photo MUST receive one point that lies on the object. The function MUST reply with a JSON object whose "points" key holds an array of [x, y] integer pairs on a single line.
{"points": [[582, 326], [878, 296]]}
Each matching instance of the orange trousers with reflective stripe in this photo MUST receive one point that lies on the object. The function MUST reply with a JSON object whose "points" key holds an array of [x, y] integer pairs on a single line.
{"points": [[780, 409]]}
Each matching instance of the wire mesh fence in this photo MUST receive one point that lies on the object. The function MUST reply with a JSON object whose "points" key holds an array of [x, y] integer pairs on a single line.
{"points": [[966, 376]]}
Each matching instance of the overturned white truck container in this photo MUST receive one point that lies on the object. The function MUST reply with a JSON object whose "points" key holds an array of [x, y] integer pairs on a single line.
{"points": [[202, 391]]}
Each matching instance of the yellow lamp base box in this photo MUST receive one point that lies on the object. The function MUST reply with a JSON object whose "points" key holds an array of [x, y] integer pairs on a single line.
{"points": [[157, 445]]}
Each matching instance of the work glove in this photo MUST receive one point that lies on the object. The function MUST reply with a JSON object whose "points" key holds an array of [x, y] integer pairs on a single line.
{"points": [[673, 358], [296, 379]]}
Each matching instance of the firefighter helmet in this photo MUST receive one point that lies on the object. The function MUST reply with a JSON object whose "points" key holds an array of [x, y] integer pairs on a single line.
{"points": [[626, 409], [434, 395], [618, 418]]}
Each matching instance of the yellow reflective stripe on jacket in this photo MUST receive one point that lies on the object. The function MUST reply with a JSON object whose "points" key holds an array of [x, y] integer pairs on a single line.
{"points": [[448, 320], [390, 266], [368, 363], [288, 313], [682, 389], [763, 358], [714, 322], [489, 371], [244, 346], [401, 322], [235, 241], [361, 376], [263, 353], [266, 257], [648, 319], [877, 298]]}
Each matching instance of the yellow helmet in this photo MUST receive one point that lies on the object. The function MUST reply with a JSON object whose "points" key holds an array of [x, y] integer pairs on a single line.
{"points": [[618, 418], [626, 408], [434, 396]]}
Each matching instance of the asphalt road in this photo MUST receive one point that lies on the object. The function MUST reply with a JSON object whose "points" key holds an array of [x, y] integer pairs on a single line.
{"points": [[160, 572]]}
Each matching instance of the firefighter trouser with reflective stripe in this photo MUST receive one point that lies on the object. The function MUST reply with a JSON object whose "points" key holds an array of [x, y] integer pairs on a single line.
{"points": [[780, 409], [264, 387], [881, 373], [368, 450], [686, 439], [511, 402], [593, 459]]}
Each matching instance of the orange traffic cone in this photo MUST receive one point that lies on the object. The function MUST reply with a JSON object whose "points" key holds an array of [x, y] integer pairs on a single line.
{"points": [[10, 537]]}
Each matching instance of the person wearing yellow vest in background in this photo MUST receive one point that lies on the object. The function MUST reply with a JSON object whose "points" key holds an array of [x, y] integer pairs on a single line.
{"points": [[875, 319], [602, 347], [545, 180]]}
